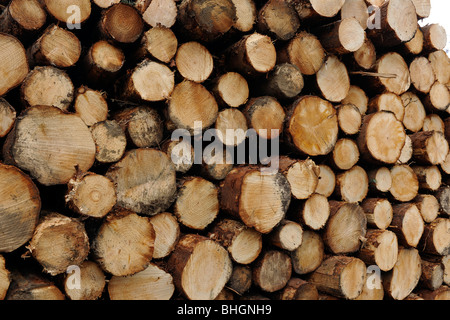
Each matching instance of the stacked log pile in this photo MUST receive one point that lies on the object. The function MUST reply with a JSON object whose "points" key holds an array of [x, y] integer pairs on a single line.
{"points": [[343, 191]]}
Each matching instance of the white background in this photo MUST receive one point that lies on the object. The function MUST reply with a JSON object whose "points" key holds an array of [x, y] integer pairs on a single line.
{"points": [[440, 13]]}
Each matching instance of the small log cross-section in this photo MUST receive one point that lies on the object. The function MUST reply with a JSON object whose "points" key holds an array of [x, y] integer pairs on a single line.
{"points": [[243, 243], [259, 199], [197, 203], [311, 114], [59, 242], [340, 276], [150, 174], [20, 205], [124, 243], [200, 267], [272, 270], [44, 143]]}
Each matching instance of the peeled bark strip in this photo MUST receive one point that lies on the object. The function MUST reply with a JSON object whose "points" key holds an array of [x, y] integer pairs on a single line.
{"points": [[379, 212], [312, 114], [266, 116], [407, 223], [380, 180], [122, 24], [231, 126], [422, 75], [159, 42], [22, 18], [315, 211], [346, 227], [333, 80], [278, 18], [415, 113], [63, 10], [243, 243], [387, 101], [124, 243], [349, 119], [102, 63], [5, 278], [405, 185], [352, 185], [92, 282], [429, 147], [429, 177], [404, 277], [245, 15], [284, 82], [167, 231], [440, 63], [153, 283], [309, 255], [47, 86], [298, 289], [436, 237], [304, 51], [340, 276], [272, 271], [32, 287], [90, 105], [20, 206], [110, 141], [58, 243], [161, 13], [380, 248], [15, 64], [302, 175], [143, 125], [345, 154], [428, 206], [206, 20], [432, 275], [194, 61], [90, 194], [288, 235], [145, 181], [231, 89], [7, 117], [342, 37], [190, 103], [149, 81], [382, 137], [434, 37], [197, 203], [252, 55], [327, 181], [200, 267], [57, 47], [260, 200], [398, 22], [50, 145]]}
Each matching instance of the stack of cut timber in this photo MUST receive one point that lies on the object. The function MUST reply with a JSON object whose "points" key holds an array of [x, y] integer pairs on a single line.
{"points": [[327, 175]]}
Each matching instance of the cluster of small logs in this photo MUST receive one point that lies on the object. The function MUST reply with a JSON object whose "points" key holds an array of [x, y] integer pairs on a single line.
{"points": [[334, 183]]}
